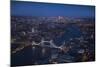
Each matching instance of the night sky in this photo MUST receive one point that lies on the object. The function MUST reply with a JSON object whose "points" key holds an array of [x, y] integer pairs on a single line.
{"points": [[19, 8]]}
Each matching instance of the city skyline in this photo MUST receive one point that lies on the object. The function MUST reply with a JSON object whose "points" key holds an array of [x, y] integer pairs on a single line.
{"points": [[44, 33]]}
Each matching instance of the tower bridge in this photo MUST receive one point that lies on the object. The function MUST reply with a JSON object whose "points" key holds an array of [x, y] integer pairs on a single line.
{"points": [[52, 44], [40, 44]]}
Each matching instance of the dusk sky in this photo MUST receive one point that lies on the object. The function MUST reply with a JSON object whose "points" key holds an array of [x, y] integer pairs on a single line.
{"points": [[19, 8]]}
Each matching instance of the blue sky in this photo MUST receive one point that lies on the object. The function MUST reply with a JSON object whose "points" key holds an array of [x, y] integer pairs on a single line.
{"points": [[19, 8]]}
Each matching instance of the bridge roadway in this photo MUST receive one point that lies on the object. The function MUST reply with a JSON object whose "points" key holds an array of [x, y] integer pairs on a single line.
{"points": [[41, 44]]}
